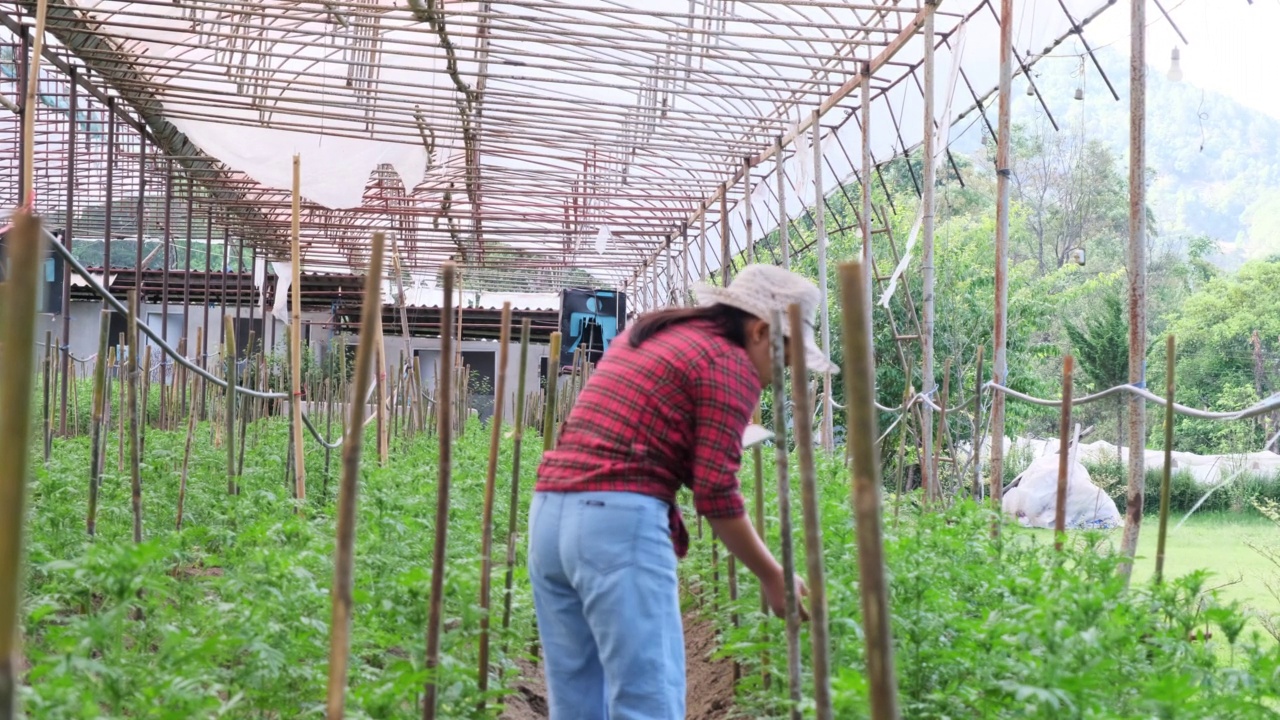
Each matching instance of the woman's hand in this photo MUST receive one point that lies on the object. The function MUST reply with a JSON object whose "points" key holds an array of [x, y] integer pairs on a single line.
{"points": [[775, 593]]}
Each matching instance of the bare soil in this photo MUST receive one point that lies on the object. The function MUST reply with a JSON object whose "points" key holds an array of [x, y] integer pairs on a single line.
{"points": [[710, 683]]}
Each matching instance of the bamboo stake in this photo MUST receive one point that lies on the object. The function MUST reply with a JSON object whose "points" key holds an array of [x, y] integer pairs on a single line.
{"points": [[106, 413], [17, 338], [860, 403], [1166, 476], [192, 416], [778, 342], [757, 461], [121, 371], [48, 380], [442, 503], [135, 439], [295, 339], [75, 398], [352, 446], [250, 406], [486, 543], [1064, 455], [383, 448], [940, 438], [229, 359], [29, 105], [327, 390], [99, 387], [977, 428], [818, 635], [146, 397], [517, 441], [549, 409]]}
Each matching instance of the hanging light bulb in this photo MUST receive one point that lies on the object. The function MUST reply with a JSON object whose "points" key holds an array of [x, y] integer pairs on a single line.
{"points": [[1079, 93], [1175, 67]]}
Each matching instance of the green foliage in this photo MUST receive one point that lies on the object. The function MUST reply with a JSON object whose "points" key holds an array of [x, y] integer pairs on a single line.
{"points": [[229, 617], [1007, 628]]}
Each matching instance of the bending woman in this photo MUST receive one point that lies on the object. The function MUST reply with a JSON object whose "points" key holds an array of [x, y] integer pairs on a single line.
{"points": [[666, 408]]}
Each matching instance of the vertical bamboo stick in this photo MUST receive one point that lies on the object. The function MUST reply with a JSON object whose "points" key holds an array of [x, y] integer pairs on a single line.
{"points": [[442, 503], [801, 404], [250, 406], [1064, 455], [49, 370], [353, 444], [17, 339], [135, 440], [1166, 476], [486, 543], [229, 359], [941, 436], [192, 416], [976, 443], [860, 403], [122, 370], [198, 393], [778, 343], [146, 397], [295, 339], [383, 448], [513, 510], [549, 408], [95, 431]]}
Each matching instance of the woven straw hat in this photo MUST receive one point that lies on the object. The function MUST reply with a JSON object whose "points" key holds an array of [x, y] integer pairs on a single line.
{"points": [[761, 289]]}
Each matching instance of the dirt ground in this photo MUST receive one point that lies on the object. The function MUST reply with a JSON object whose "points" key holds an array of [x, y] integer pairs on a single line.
{"points": [[710, 684]]}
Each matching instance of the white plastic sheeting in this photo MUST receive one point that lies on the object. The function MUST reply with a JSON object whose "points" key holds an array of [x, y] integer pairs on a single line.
{"points": [[1033, 497]]}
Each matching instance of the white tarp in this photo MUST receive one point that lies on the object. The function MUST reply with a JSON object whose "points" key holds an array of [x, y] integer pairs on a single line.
{"points": [[1033, 497]]}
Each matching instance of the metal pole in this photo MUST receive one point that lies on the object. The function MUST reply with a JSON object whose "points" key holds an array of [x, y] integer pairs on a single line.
{"points": [[932, 486], [67, 234], [1137, 272], [820, 223], [783, 241], [1000, 362]]}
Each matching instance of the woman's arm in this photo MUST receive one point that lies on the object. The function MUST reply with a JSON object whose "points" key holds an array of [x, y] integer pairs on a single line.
{"points": [[741, 539]]}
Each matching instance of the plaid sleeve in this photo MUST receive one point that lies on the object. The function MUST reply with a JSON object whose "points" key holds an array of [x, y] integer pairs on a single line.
{"points": [[724, 395]]}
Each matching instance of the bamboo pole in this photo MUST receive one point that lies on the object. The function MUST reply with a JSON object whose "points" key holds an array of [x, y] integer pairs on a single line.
{"points": [[486, 543], [1166, 476], [17, 339], [122, 369], [146, 397], [1064, 455], [250, 406], [48, 381], [384, 448], [757, 462], [860, 403], [99, 401], [192, 416], [198, 392], [442, 504], [549, 408], [976, 443], [229, 359], [941, 436], [517, 441], [778, 342], [819, 635], [999, 353], [352, 446], [295, 338], [135, 439]]}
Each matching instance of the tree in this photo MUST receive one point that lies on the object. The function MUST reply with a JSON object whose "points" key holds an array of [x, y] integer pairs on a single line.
{"points": [[1101, 349]]}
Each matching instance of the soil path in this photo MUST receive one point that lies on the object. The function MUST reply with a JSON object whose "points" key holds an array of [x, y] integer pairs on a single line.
{"points": [[710, 683]]}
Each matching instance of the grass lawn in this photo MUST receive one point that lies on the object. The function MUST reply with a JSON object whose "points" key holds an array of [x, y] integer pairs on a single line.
{"points": [[1218, 543]]}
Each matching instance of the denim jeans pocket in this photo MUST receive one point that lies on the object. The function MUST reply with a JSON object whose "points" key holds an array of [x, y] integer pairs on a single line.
{"points": [[607, 533]]}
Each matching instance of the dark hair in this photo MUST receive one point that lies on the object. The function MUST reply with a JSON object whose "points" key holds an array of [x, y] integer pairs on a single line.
{"points": [[729, 322]]}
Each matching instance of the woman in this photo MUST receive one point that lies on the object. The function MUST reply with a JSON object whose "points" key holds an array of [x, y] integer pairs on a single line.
{"points": [[666, 408]]}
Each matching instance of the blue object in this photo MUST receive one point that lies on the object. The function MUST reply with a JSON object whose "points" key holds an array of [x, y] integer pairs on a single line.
{"points": [[604, 588]]}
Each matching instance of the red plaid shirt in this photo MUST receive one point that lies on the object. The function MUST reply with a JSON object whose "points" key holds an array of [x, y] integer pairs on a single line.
{"points": [[654, 418]]}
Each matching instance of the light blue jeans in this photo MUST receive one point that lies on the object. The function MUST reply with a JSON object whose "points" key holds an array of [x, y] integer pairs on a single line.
{"points": [[604, 587]]}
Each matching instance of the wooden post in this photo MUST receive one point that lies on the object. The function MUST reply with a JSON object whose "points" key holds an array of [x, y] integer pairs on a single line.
{"points": [[442, 502], [353, 444], [860, 408], [486, 542], [295, 339], [1137, 276], [1064, 454], [17, 339], [229, 358], [135, 439], [95, 430], [517, 440], [778, 342], [819, 633], [1166, 477], [549, 410], [999, 355]]}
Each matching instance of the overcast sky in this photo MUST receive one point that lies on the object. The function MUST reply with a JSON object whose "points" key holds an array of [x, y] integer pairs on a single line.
{"points": [[1232, 48]]}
